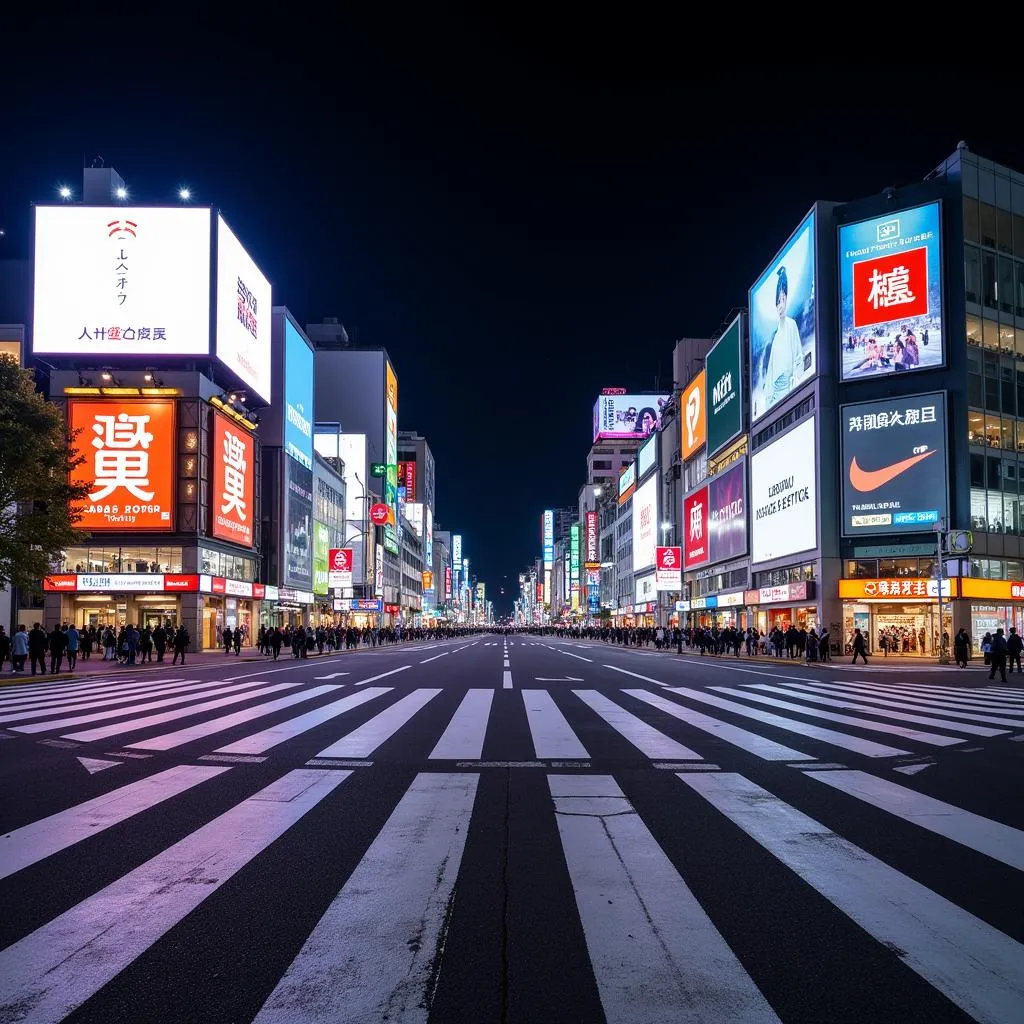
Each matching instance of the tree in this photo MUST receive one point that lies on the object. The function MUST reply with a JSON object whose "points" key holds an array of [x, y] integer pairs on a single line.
{"points": [[36, 521]]}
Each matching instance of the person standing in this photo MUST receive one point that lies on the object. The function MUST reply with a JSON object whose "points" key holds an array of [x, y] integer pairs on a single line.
{"points": [[181, 641], [5, 648], [998, 655], [131, 639], [859, 647], [961, 647], [228, 639], [238, 641], [74, 643], [19, 649], [160, 642], [1014, 645], [38, 643], [58, 644]]}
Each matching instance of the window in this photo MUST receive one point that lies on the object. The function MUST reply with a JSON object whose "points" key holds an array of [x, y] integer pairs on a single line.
{"points": [[992, 476], [992, 394], [987, 232], [972, 274], [974, 331], [890, 567], [988, 279], [89, 559], [1018, 289], [979, 508], [975, 392], [1004, 230], [862, 569], [1008, 391], [975, 429], [1018, 235], [1004, 284], [977, 464], [971, 219]]}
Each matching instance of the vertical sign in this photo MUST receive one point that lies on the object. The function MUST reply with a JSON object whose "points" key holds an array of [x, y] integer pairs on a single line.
{"points": [[695, 528], [232, 509], [694, 431], [592, 550], [724, 403], [391, 454]]}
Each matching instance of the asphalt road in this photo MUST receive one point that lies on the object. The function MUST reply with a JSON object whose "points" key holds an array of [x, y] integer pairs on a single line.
{"points": [[515, 830]]}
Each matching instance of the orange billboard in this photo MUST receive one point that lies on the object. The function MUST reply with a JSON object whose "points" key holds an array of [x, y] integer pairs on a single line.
{"points": [[232, 511], [695, 432], [127, 447]]}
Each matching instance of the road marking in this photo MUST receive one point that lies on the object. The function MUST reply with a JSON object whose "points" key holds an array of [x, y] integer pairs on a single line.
{"points": [[651, 944], [383, 675], [407, 878], [551, 734], [333, 675], [52, 971], [32, 843], [557, 679], [233, 758], [336, 762], [648, 740], [635, 675], [435, 657], [975, 965], [93, 764], [363, 741], [501, 764], [261, 742], [464, 737], [578, 657], [84, 695], [506, 680]]}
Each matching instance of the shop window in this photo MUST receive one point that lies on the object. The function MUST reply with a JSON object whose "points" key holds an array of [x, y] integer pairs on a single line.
{"points": [[988, 279], [926, 567], [987, 226], [1014, 570], [128, 560], [862, 569], [971, 219], [1004, 230]]}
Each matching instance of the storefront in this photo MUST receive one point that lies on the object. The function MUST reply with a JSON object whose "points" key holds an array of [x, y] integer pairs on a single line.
{"points": [[897, 616], [118, 599], [230, 604], [360, 613], [791, 604], [288, 607], [989, 604]]}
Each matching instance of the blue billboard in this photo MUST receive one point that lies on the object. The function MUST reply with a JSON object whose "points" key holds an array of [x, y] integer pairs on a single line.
{"points": [[890, 293], [298, 396], [783, 335]]}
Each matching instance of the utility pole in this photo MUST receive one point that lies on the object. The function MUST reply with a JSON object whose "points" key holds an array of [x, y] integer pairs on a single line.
{"points": [[940, 530]]}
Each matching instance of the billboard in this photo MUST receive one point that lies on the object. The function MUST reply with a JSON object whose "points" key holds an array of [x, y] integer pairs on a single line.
{"points": [[783, 339], [727, 513], [321, 549], [243, 314], [592, 550], [391, 455], [547, 524], [121, 280], [784, 495], [646, 456], [339, 567], [693, 402], [457, 550], [894, 464], [298, 534], [574, 551], [645, 524], [890, 293], [627, 483], [128, 452], [447, 583], [234, 470], [298, 396], [407, 478], [724, 366], [625, 416], [695, 525], [668, 572]]}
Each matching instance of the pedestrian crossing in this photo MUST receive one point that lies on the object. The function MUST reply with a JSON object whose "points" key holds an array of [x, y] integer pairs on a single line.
{"points": [[663, 944], [785, 721]]}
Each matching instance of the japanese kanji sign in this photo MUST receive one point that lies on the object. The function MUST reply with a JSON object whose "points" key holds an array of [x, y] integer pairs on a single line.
{"points": [[232, 508], [121, 281], [128, 454]]}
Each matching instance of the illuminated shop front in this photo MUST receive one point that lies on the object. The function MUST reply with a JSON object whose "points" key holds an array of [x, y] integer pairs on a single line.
{"points": [[898, 616], [791, 604], [989, 604]]}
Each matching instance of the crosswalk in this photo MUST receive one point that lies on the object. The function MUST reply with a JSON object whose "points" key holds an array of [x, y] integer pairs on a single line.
{"points": [[660, 941]]}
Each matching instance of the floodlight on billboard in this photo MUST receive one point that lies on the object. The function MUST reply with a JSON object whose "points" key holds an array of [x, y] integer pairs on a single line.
{"points": [[627, 416], [243, 313], [121, 281], [783, 329], [890, 293]]}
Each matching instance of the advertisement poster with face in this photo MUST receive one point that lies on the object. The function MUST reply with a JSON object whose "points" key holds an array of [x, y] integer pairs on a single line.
{"points": [[890, 293], [298, 539], [783, 340], [627, 416]]}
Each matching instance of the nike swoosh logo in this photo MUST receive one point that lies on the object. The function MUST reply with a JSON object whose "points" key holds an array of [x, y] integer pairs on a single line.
{"points": [[870, 479]]}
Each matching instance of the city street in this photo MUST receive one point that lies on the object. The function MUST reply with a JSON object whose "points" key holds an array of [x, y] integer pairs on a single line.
{"points": [[512, 829]]}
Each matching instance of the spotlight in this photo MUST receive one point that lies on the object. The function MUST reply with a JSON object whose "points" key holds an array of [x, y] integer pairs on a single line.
{"points": [[107, 376], [121, 192], [64, 191], [184, 194]]}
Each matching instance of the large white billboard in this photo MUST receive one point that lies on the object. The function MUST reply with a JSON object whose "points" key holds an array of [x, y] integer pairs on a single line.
{"points": [[625, 416], [645, 524], [784, 496], [243, 313], [121, 280]]}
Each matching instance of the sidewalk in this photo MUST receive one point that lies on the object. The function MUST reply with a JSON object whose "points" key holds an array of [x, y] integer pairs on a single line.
{"points": [[96, 666]]}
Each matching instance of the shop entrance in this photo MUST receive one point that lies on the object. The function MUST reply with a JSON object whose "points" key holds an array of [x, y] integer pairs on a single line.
{"points": [[903, 630]]}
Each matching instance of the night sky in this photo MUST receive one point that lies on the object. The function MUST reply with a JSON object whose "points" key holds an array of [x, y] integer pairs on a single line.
{"points": [[521, 217]]}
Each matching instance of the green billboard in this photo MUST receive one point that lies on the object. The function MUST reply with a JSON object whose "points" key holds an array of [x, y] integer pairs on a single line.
{"points": [[321, 550], [724, 394]]}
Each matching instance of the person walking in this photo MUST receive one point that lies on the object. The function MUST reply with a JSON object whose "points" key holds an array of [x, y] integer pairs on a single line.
{"points": [[228, 639], [238, 641], [38, 644], [160, 642], [961, 647], [74, 644], [19, 649], [859, 647], [1014, 645], [181, 642], [58, 642], [5, 648], [998, 655]]}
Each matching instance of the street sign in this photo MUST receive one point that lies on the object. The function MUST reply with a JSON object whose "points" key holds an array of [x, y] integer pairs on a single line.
{"points": [[378, 469], [379, 513]]}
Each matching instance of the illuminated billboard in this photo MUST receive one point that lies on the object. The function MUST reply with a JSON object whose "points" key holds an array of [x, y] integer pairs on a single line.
{"points": [[727, 513], [647, 456], [391, 455], [232, 507], [894, 464], [128, 452], [645, 524], [695, 528], [724, 365], [298, 536], [625, 416], [298, 396], [784, 495], [243, 314], [694, 424], [121, 280], [548, 537], [783, 335], [593, 553], [627, 483], [890, 293]]}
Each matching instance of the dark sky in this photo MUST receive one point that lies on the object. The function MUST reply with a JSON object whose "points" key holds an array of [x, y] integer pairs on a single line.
{"points": [[521, 216]]}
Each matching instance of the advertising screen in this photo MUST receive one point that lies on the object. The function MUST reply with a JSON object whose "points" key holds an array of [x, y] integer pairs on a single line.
{"points": [[574, 551], [645, 524], [298, 536], [298, 396], [727, 513], [232, 511], [548, 537], [890, 293], [128, 453], [647, 456], [784, 495], [627, 483], [724, 367], [321, 549], [125, 280], [592, 553], [457, 551], [695, 525], [243, 313], [783, 338], [693, 401], [407, 479], [894, 465], [391, 454], [624, 416], [668, 574]]}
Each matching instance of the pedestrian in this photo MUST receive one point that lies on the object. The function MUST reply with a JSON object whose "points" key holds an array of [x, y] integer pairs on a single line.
{"points": [[962, 647], [1014, 645], [228, 639], [181, 642], [58, 643], [160, 642], [998, 655], [19, 649], [859, 647], [5, 648], [38, 644], [74, 643], [238, 641]]}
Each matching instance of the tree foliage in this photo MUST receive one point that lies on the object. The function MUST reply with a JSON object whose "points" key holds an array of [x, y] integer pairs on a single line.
{"points": [[36, 522]]}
